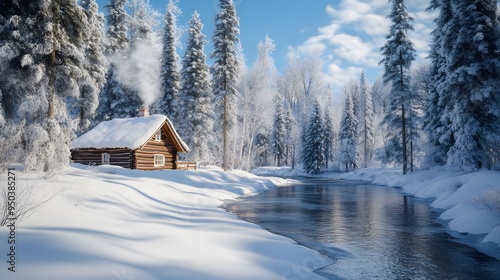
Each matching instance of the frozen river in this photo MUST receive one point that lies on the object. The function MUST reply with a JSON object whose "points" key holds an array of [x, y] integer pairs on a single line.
{"points": [[370, 232]]}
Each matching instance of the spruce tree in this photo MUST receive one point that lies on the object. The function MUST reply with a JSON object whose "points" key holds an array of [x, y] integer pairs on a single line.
{"points": [[366, 129], [86, 104], [436, 126], [262, 149], [473, 81], [329, 136], [168, 103], [313, 153], [42, 68], [398, 53], [290, 124], [225, 70], [111, 99], [197, 123], [279, 144], [12, 86], [348, 134], [117, 38]]}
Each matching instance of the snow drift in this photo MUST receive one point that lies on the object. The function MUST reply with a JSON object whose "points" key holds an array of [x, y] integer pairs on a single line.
{"points": [[113, 223]]}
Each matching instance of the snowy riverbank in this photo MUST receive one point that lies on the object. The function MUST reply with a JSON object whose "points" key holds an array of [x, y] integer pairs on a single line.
{"points": [[113, 223], [470, 203]]}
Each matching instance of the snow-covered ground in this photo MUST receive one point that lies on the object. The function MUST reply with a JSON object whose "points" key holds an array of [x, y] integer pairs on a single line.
{"points": [[113, 223], [470, 203]]}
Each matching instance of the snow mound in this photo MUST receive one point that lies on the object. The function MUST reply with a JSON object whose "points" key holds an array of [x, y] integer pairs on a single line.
{"points": [[115, 223]]}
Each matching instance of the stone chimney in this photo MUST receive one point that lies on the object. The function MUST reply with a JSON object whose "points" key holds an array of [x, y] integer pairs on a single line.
{"points": [[143, 111]]}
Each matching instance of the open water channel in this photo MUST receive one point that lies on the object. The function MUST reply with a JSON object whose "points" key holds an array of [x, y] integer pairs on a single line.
{"points": [[371, 232]]}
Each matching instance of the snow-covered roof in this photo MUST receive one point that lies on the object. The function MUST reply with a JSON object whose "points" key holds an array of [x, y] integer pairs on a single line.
{"points": [[131, 133]]}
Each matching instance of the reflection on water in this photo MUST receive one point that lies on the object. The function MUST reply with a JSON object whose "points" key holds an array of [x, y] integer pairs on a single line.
{"points": [[372, 232]]}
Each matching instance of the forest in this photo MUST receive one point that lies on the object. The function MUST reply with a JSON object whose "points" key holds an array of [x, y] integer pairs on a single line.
{"points": [[65, 67]]}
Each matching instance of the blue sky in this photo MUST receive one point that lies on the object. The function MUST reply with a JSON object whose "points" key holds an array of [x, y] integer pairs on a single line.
{"points": [[349, 33]]}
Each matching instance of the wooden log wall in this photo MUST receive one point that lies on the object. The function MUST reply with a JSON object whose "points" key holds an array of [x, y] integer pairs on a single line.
{"points": [[119, 157], [144, 157]]}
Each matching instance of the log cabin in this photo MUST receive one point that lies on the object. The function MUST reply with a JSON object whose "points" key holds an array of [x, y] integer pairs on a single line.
{"points": [[144, 143]]}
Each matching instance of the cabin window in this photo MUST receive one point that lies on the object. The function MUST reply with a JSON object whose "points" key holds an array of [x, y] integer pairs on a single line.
{"points": [[105, 158], [158, 136], [159, 160]]}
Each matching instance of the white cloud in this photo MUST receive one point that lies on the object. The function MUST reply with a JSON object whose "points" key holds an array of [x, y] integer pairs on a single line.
{"points": [[357, 30], [338, 76]]}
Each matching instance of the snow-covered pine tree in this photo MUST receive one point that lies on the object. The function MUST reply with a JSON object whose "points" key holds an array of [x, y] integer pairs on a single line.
{"points": [[366, 129], [61, 51], [436, 126], [348, 134], [117, 47], [473, 81], [313, 153], [329, 135], [84, 107], [168, 102], [290, 125], [279, 133], [45, 69], [398, 53], [329, 128], [225, 71], [262, 149], [12, 86], [196, 94], [352, 86], [117, 33]]}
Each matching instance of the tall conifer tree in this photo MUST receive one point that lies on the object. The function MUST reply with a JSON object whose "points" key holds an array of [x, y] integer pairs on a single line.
{"points": [[348, 134], [196, 96], [86, 104], [225, 71], [436, 126], [366, 129], [398, 53], [46, 68], [279, 137], [168, 103], [313, 153], [473, 81], [329, 133]]}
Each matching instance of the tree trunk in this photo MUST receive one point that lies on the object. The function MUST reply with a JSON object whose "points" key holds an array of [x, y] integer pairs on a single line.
{"points": [[52, 64], [411, 156], [224, 127], [366, 142], [52, 89], [403, 127], [403, 121]]}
